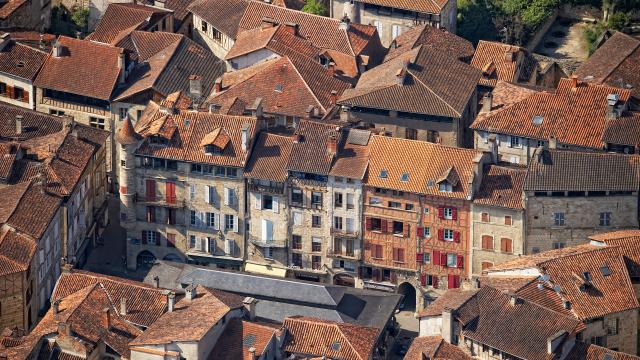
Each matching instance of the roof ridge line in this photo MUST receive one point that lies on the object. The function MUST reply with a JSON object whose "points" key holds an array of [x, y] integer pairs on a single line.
{"points": [[306, 84], [414, 76], [345, 337]]}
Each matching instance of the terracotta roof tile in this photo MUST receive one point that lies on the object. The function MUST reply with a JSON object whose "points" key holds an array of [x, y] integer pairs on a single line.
{"points": [[11, 196], [34, 124], [69, 72], [434, 347], [310, 154], [429, 36], [452, 299], [422, 6], [496, 62], [422, 81], [629, 243], [311, 336], [582, 351], [269, 158], [501, 186], [557, 170], [16, 252], [124, 16], [506, 93], [573, 116], [238, 337], [352, 159], [8, 8], [397, 156], [21, 60], [224, 15], [34, 201]]}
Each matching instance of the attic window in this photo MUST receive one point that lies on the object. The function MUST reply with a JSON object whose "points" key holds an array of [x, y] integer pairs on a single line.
{"points": [[383, 174], [157, 140], [404, 177], [335, 346], [537, 120], [279, 88], [607, 357], [430, 184], [445, 186], [605, 270], [212, 150]]}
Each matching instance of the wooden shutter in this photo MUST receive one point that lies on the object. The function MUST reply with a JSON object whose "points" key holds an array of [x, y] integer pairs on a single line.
{"points": [[506, 245], [443, 259], [507, 220], [436, 257], [423, 279], [419, 231], [456, 236], [456, 281], [405, 229], [450, 281], [25, 96], [434, 281], [419, 257], [368, 224], [454, 213], [10, 92], [441, 234], [275, 204], [383, 226], [487, 242], [151, 190], [440, 212], [460, 262], [257, 201], [170, 190], [395, 254]]}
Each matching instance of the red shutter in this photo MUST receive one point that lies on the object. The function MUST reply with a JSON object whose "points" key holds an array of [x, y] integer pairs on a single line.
{"points": [[461, 261], [434, 281], [440, 212], [419, 231], [450, 282], [10, 92], [25, 96], [456, 281], [436, 257], [144, 236], [454, 213], [171, 192], [443, 259], [151, 190], [419, 257], [368, 224], [383, 226], [441, 234], [395, 254], [405, 228], [456, 236], [423, 279]]}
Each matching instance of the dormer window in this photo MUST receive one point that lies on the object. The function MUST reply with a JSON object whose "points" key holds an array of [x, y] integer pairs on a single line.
{"points": [[384, 174], [215, 142], [445, 186], [212, 150], [157, 140], [404, 177]]}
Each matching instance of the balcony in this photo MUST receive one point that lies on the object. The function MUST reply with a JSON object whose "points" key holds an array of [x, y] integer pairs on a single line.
{"points": [[339, 253], [75, 106], [269, 189], [160, 201], [266, 243], [345, 233]]}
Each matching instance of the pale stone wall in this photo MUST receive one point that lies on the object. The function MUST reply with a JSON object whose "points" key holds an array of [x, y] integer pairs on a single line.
{"points": [[252, 58], [352, 189], [431, 326], [218, 48], [279, 219], [25, 85], [496, 228], [582, 215]]}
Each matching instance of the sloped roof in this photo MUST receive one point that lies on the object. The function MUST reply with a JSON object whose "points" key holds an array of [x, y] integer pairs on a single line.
{"points": [[434, 347], [629, 243], [451, 299], [429, 36], [501, 186], [239, 336], [422, 6], [224, 15], [312, 336], [495, 60], [16, 252], [8, 8], [352, 158], [582, 351], [422, 81], [269, 157], [574, 116], [557, 170], [121, 17], [310, 154], [397, 156], [69, 72], [21, 60]]}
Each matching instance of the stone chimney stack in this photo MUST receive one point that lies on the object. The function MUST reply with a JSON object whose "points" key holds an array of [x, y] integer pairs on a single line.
{"points": [[106, 319], [332, 69], [217, 86], [333, 97], [171, 302], [250, 306], [292, 28], [122, 66], [447, 325], [493, 147], [195, 85], [245, 137], [574, 82], [57, 49], [332, 144], [487, 102], [123, 306], [190, 292], [19, 124]]}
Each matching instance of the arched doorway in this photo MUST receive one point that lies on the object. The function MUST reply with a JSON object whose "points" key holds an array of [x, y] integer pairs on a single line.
{"points": [[174, 258], [409, 299], [344, 280], [145, 259]]}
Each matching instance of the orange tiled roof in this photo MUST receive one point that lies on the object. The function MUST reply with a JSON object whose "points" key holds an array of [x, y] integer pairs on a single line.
{"points": [[573, 116], [397, 156], [224, 15], [582, 351], [452, 299], [21, 60], [310, 153], [501, 186], [352, 158], [269, 158], [8, 8], [69, 72], [16, 252], [127, 17], [429, 36], [506, 93], [629, 243], [434, 347], [238, 337], [311, 336], [496, 61], [422, 6]]}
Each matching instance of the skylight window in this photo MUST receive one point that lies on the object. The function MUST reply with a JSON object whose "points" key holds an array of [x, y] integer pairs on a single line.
{"points": [[279, 88], [383, 174], [538, 120], [335, 346], [404, 177]]}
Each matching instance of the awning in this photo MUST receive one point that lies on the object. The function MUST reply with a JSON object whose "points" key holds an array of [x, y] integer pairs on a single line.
{"points": [[265, 270]]}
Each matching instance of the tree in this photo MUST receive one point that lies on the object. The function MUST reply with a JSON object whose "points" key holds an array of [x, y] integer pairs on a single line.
{"points": [[80, 17], [314, 7]]}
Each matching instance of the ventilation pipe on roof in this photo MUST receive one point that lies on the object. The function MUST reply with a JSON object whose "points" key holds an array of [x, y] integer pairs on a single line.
{"points": [[56, 307], [4, 40], [156, 281]]}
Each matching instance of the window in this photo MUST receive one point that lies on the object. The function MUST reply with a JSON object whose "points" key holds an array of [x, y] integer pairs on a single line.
{"points": [[378, 25], [398, 255], [351, 227], [219, 171], [506, 245], [229, 222], [558, 245], [297, 218], [267, 231], [411, 134], [232, 172], [296, 242], [425, 210], [296, 196], [350, 203], [337, 222], [316, 199], [398, 226], [268, 253], [18, 93], [56, 112], [96, 122], [376, 251], [508, 220], [267, 202], [408, 207], [204, 26], [395, 204], [296, 260], [374, 201], [448, 234], [485, 217], [211, 220], [445, 186], [487, 242], [3, 88], [349, 243], [217, 35], [452, 260], [426, 232], [605, 219], [515, 142], [337, 200], [316, 262], [316, 221], [448, 213], [558, 219], [316, 244], [150, 237]]}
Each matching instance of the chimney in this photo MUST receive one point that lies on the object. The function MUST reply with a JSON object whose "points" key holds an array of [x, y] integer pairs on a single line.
{"points": [[402, 72], [123, 306], [56, 307], [297, 138], [171, 302], [217, 86], [250, 306], [493, 148], [478, 165], [332, 144], [57, 49], [252, 351], [156, 281], [106, 319], [513, 299], [291, 28], [190, 292], [553, 143], [332, 69], [509, 56], [345, 22], [121, 66], [345, 114], [574, 82], [256, 108], [245, 137], [195, 85], [333, 97], [41, 43], [612, 106], [309, 111], [447, 325], [268, 23], [487, 102], [18, 124], [4, 40], [64, 329], [554, 341]]}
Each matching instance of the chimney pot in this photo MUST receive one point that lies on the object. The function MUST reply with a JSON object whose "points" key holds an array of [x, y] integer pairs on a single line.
{"points": [[334, 97], [574, 82], [56, 307], [487, 102], [19, 124], [171, 302], [123, 306]]}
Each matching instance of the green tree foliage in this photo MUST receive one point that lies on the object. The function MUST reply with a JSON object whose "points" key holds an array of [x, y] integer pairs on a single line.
{"points": [[619, 20], [314, 7], [80, 17], [474, 21]]}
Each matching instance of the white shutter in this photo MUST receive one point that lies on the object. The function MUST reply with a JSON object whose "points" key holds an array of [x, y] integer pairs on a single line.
{"points": [[508, 140], [228, 246], [257, 198], [192, 191], [198, 243], [207, 194], [267, 231], [216, 221], [275, 205], [227, 196], [200, 219], [236, 226], [41, 256]]}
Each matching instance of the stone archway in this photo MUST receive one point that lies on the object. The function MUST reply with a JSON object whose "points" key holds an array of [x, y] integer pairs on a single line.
{"points": [[145, 259], [409, 299]]}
